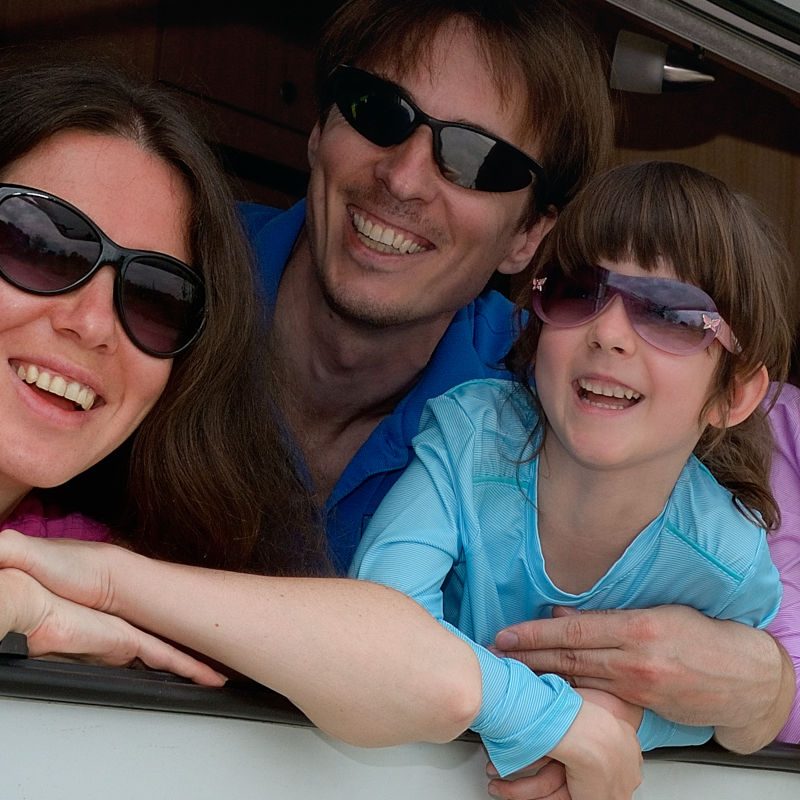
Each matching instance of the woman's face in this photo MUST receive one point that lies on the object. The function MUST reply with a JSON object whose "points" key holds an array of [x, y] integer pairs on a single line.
{"points": [[140, 202]]}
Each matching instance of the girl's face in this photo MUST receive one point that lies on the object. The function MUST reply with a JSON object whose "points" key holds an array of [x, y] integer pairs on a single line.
{"points": [[140, 202], [612, 400]]}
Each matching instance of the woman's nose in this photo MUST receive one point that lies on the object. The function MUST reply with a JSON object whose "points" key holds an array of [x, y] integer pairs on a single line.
{"points": [[88, 314]]}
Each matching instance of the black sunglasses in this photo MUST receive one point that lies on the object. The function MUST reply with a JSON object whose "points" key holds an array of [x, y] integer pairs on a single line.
{"points": [[49, 247], [384, 114]]}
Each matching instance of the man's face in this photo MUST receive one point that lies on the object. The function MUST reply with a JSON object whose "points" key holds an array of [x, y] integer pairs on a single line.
{"points": [[440, 242]]}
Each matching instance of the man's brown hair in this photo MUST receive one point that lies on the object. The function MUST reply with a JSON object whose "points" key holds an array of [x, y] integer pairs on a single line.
{"points": [[537, 45]]}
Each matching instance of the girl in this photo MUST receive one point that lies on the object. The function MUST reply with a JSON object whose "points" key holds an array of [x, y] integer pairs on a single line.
{"points": [[660, 315]]}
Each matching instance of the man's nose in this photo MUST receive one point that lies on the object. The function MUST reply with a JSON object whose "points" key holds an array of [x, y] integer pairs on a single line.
{"points": [[409, 170]]}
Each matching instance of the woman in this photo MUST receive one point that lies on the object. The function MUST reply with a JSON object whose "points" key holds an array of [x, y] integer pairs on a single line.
{"points": [[138, 380], [210, 457]]}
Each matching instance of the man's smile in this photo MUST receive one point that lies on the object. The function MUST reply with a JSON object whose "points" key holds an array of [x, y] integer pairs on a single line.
{"points": [[384, 238]]}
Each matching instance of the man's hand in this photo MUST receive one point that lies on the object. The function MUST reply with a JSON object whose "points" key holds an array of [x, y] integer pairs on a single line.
{"points": [[545, 779], [58, 627], [671, 659]]}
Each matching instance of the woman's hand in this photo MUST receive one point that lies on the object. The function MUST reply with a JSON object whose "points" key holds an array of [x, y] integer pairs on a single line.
{"points": [[58, 627], [75, 570]]}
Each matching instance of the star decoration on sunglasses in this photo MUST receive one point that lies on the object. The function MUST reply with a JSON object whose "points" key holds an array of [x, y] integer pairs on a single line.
{"points": [[711, 323], [537, 284]]}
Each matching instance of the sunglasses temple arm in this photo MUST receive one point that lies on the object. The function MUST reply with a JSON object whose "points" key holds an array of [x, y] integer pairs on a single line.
{"points": [[727, 339]]}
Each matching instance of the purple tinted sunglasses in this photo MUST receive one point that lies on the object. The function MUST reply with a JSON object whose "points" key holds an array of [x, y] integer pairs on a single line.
{"points": [[673, 316]]}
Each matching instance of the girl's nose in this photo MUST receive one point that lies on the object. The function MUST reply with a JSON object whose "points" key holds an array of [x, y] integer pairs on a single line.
{"points": [[612, 330]]}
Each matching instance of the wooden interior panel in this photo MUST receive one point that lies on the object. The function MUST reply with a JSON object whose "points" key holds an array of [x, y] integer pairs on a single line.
{"points": [[122, 29]]}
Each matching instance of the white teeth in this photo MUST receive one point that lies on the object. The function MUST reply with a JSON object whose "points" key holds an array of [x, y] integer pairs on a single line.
{"points": [[384, 240], [85, 398], [608, 389], [72, 391], [58, 385]]}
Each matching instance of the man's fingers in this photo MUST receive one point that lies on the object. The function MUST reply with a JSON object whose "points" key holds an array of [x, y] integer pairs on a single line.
{"points": [[548, 784], [573, 631], [531, 769], [578, 664]]}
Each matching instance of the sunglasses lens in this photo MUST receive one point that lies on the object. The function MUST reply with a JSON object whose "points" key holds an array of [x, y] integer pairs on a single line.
{"points": [[162, 304], [374, 108], [475, 161], [678, 332], [44, 246], [568, 301], [667, 313]]}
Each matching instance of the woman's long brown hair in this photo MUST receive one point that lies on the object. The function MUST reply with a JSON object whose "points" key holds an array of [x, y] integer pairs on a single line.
{"points": [[211, 477]]}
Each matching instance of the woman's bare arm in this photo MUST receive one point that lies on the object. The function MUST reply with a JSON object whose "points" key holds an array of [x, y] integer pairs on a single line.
{"points": [[365, 663]]}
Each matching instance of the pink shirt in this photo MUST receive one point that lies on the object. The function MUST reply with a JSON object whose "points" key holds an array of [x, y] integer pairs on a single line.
{"points": [[784, 543], [33, 518]]}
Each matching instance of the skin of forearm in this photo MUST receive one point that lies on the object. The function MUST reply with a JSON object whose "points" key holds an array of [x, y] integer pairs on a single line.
{"points": [[363, 662], [761, 728]]}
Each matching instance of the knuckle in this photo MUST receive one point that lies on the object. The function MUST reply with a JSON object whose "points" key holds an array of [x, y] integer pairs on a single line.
{"points": [[573, 633], [644, 627]]}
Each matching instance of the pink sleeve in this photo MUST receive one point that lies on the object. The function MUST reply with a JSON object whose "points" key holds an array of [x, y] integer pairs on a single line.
{"points": [[34, 518], [784, 543]]}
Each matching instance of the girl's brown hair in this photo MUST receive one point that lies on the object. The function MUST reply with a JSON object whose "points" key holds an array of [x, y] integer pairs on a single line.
{"points": [[211, 476], [664, 212]]}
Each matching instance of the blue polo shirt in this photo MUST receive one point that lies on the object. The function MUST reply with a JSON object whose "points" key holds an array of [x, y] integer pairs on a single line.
{"points": [[473, 346]]}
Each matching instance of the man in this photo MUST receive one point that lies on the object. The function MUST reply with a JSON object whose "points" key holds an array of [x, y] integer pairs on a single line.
{"points": [[370, 331], [376, 278]]}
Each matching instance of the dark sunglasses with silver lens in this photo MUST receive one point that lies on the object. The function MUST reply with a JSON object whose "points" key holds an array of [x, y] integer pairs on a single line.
{"points": [[49, 247], [467, 156]]}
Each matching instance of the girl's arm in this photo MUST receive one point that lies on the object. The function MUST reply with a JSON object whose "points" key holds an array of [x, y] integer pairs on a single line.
{"points": [[364, 663]]}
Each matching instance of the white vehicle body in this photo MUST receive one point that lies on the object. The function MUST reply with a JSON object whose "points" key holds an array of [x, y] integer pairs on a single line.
{"points": [[74, 731]]}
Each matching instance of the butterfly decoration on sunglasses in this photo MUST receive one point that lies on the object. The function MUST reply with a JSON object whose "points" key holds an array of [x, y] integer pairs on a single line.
{"points": [[671, 315], [50, 247], [384, 114]]}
